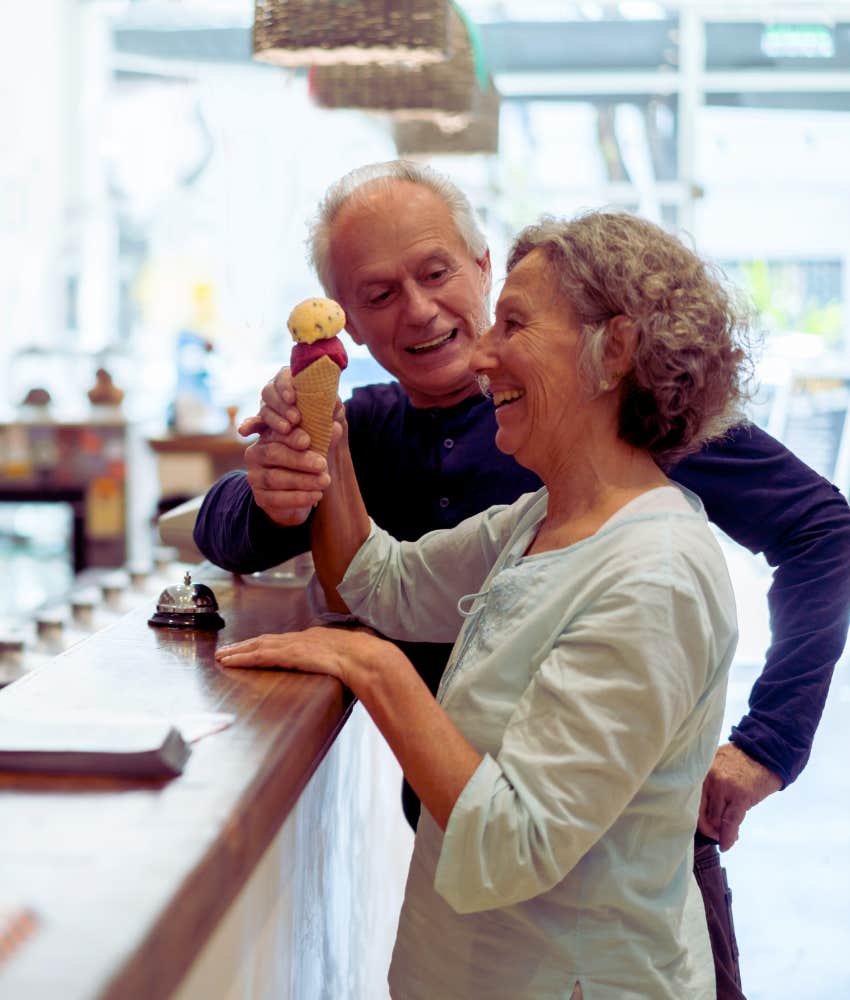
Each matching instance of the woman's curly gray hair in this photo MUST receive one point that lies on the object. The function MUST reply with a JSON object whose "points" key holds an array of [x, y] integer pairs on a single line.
{"points": [[691, 364]]}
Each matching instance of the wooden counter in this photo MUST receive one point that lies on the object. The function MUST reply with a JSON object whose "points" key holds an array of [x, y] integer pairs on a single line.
{"points": [[129, 878]]}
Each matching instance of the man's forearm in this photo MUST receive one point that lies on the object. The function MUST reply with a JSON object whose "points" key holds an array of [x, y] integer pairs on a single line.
{"points": [[809, 610], [232, 532], [769, 501]]}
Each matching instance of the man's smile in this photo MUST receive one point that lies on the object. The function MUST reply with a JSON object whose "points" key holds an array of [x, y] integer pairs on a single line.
{"points": [[432, 345]]}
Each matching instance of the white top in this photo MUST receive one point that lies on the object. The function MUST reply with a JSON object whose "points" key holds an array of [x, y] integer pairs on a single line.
{"points": [[592, 678]]}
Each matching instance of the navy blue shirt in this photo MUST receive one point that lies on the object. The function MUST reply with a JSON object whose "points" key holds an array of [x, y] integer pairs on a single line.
{"points": [[421, 469]]}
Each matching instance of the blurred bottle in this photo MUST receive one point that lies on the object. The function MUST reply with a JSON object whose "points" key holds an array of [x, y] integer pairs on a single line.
{"points": [[12, 645], [50, 637], [113, 586], [86, 610], [194, 410]]}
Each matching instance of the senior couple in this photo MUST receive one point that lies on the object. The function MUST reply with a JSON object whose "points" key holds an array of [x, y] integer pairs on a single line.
{"points": [[561, 765]]}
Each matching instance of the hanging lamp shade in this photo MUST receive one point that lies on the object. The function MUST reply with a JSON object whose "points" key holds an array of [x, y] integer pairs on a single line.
{"points": [[327, 32], [452, 134], [417, 91]]}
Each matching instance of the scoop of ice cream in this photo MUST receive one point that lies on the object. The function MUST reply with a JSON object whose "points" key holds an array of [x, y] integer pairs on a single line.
{"points": [[315, 319], [305, 354]]}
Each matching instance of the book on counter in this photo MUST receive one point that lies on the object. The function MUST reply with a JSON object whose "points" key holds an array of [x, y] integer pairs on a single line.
{"points": [[126, 747]]}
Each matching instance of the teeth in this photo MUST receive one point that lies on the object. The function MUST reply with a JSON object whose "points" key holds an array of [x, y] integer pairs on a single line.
{"points": [[429, 345], [507, 396]]}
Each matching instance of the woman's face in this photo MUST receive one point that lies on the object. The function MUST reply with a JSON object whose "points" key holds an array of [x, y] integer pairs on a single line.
{"points": [[530, 357]]}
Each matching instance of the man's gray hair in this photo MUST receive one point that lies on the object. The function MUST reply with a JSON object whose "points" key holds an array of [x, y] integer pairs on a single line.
{"points": [[381, 176]]}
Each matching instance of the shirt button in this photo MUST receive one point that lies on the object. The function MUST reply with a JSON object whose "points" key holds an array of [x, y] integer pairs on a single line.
{"points": [[448, 443], [444, 502]]}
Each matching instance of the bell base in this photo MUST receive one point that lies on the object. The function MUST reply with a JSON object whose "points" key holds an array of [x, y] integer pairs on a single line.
{"points": [[207, 621]]}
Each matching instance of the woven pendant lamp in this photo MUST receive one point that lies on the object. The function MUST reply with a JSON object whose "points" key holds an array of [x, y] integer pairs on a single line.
{"points": [[452, 134], [327, 32], [446, 86]]}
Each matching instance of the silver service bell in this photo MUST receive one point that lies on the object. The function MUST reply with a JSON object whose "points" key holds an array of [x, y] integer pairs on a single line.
{"points": [[187, 605]]}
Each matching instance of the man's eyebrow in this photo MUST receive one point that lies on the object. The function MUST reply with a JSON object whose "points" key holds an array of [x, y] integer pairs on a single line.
{"points": [[368, 283]]}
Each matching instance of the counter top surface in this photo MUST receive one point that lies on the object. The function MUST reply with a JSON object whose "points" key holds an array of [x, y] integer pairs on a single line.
{"points": [[230, 445], [127, 878]]}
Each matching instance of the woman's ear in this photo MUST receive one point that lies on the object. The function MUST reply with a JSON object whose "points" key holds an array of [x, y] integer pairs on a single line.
{"points": [[620, 346]]}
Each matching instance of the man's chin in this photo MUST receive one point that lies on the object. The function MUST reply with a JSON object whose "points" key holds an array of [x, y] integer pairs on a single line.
{"points": [[444, 389]]}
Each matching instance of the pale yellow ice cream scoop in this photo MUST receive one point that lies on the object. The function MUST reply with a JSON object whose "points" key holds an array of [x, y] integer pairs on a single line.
{"points": [[315, 319], [316, 362]]}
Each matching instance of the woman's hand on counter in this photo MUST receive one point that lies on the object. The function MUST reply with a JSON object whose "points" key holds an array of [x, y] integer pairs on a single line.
{"points": [[350, 655], [436, 758]]}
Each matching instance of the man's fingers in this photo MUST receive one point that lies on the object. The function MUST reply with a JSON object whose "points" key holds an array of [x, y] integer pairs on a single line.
{"points": [[271, 442], [715, 804], [271, 479], [287, 509], [282, 385], [282, 402], [251, 425], [705, 824], [275, 421], [730, 825], [275, 453]]}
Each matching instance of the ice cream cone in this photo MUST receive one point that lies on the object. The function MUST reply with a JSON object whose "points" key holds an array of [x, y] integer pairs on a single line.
{"points": [[317, 388]]}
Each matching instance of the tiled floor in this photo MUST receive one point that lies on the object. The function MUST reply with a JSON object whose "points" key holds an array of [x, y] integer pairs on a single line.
{"points": [[790, 870]]}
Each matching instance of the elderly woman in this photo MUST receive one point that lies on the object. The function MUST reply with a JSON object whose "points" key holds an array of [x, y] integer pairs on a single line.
{"points": [[560, 767]]}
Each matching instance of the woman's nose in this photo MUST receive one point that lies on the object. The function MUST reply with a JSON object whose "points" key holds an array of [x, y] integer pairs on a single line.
{"points": [[483, 358]]}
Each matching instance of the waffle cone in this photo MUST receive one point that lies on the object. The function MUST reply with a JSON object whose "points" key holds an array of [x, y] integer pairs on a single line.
{"points": [[317, 387]]}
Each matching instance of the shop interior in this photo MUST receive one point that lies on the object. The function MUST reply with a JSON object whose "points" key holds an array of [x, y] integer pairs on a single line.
{"points": [[156, 180]]}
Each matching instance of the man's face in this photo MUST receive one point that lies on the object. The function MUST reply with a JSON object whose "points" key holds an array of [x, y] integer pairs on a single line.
{"points": [[411, 291]]}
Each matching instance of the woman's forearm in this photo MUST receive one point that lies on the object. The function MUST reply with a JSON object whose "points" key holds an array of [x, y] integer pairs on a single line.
{"points": [[340, 525], [436, 758]]}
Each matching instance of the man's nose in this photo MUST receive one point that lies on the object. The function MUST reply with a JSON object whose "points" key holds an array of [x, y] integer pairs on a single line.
{"points": [[420, 307]]}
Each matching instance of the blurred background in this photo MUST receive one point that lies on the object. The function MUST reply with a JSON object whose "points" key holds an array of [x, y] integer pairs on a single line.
{"points": [[156, 178]]}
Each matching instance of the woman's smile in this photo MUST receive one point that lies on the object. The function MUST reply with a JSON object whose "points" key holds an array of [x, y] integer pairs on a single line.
{"points": [[506, 396]]}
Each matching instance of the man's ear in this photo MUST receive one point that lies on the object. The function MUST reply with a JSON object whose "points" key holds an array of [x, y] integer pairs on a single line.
{"points": [[620, 345], [486, 273]]}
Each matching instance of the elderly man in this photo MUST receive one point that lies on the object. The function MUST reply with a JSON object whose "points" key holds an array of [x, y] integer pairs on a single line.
{"points": [[398, 246]]}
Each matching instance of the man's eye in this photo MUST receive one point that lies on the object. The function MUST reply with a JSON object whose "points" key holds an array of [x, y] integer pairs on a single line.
{"points": [[378, 298], [510, 325], [438, 274]]}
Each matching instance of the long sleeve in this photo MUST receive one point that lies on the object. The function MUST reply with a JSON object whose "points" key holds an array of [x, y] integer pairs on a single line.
{"points": [[614, 721], [410, 590], [234, 533], [769, 501]]}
